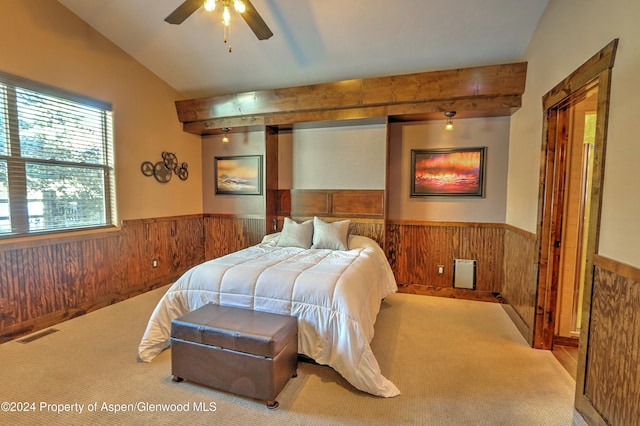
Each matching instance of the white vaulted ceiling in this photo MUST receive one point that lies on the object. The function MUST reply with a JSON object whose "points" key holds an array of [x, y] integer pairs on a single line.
{"points": [[314, 41]]}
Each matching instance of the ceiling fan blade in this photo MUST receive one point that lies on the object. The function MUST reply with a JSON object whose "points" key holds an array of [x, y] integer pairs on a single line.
{"points": [[255, 22], [183, 11]]}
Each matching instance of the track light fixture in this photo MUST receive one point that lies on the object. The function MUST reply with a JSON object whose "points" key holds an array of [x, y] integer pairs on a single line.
{"points": [[449, 115]]}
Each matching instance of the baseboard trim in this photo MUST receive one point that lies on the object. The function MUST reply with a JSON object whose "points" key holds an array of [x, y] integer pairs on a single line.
{"points": [[520, 324], [573, 342], [453, 293]]}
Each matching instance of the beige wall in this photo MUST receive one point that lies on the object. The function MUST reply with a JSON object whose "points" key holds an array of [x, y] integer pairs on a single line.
{"points": [[246, 143], [43, 41], [339, 156], [570, 32], [492, 133]]}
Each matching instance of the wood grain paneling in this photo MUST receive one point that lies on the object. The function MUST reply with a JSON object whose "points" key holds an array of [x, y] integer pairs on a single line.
{"points": [[272, 201], [373, 229], [225, 234], [46, 282], [519, 288], [612, 381], [489, 88], [310, 202], [284, 202], [365, 203], [416, 249], [358, 203]]}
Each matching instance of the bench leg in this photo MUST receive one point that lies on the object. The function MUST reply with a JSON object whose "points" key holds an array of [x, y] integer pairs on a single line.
{"points": [[272, 405]]}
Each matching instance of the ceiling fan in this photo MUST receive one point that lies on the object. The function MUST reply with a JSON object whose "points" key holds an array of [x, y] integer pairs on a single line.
{"points": [[250, 15]]}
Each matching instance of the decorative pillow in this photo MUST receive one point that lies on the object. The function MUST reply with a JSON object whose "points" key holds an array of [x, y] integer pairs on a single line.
{"points": [[330, 235], [296, 234]]}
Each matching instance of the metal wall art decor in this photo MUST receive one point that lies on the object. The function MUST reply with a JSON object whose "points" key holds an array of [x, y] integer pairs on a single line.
{"points": [[164, 169]]}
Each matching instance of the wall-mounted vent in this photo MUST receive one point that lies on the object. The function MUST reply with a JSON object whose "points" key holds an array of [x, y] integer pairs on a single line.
{"points": [[37, 336], [464, 274]]}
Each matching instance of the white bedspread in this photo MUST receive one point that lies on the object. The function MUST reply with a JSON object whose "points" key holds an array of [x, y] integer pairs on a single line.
{"points": [[336, 296]]}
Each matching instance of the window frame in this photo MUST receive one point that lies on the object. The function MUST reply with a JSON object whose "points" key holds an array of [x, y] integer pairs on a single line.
{"points": [[17, 165]]}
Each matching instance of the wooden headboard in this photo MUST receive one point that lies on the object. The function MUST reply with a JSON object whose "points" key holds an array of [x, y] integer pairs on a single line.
{"points": [[363, 207]]}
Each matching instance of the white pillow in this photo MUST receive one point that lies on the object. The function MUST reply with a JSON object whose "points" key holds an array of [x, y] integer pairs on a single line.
{"points": [[296, 234], [330, 235]]}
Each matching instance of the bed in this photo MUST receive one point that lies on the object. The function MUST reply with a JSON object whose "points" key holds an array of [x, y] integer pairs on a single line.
{"points": [[332, 282]]}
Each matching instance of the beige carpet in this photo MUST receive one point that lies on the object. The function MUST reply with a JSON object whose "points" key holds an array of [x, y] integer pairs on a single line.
{"points": [[456, 362]]}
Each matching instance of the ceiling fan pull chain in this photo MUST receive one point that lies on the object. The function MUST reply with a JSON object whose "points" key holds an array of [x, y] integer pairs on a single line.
{"points": [[227, 35]]}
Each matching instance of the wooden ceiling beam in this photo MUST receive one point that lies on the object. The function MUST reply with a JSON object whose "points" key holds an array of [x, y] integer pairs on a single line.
{"points": [[483, 91]]}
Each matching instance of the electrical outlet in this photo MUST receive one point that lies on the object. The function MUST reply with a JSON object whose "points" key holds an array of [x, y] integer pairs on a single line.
{"points": [[440, 269], [154, 263]]}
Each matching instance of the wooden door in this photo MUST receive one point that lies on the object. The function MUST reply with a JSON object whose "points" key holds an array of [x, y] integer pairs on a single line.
{"points": [[595, 73]]}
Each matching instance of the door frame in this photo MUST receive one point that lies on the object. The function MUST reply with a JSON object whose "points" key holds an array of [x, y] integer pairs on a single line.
{"points": [[596, 70]]}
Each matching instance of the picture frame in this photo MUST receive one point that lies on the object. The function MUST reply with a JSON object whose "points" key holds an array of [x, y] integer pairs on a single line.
{"points": [[238, 175], [448, 172]]}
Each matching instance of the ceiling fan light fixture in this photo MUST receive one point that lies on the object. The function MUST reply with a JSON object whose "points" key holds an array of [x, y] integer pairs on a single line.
{"points": [[210, 5], [239, 6], [226, 16], [243, 7]]}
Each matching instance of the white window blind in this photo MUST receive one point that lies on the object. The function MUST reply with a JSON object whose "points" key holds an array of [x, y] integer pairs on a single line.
{"points": [[56, 159]]}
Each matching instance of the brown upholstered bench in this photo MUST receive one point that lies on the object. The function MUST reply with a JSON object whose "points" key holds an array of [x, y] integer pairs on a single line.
{"points": [[245, 352]]}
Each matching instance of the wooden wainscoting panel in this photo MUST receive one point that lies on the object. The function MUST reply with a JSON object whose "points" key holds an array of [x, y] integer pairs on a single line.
{"points": [[416, 249], [373, 229], [48, 281], [612, 381], [225, 234], [10, 297], [519, 288]]}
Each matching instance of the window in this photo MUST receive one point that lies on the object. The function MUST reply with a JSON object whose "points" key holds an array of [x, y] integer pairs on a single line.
{"points": [[56, 160]]}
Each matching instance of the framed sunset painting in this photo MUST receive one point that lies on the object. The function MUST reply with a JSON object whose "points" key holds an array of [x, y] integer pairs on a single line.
{"points": [[458, 171], [239, 175]]}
